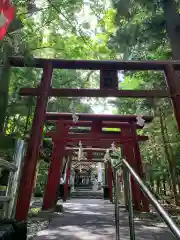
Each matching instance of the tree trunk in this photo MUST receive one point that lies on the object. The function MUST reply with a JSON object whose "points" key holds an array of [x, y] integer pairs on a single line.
{"points": [[171, 165], [4, 88], [170, 184], [164, 186], [173, 159], [35, 177], [30, 105], [6, 123], [158, 184], [151, 181], [178, 184], [172, 19]]}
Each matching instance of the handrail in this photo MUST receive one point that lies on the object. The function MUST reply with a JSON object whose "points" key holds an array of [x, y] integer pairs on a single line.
{"points": [[129, 171], [7, 165], [4, 199]]}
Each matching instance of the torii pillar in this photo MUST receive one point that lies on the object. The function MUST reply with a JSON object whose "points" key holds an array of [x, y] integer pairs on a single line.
{"points": [[55, 166], [110, 181], [66, 186], [106, 192], [128, 153], [139, 168], [30, 161]]}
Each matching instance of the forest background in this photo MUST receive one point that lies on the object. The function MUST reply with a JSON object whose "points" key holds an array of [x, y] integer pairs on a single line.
{"points": [[95, 29]]}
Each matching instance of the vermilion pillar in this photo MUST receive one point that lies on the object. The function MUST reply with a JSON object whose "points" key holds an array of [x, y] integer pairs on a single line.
{"points": [[139, 168], [55, 166], [68, 171], [128, 153], [110, 174], [106, 191], [137, 156], [29, 168], [95, 129]]}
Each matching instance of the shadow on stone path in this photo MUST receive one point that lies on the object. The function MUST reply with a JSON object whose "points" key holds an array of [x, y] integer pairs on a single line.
{"points": [[93, 219]]}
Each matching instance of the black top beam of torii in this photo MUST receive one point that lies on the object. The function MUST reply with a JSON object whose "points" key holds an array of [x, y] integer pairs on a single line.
{"points": [[100, 117]]}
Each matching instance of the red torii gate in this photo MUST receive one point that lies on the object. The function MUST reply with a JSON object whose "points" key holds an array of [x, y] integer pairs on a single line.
{"points": [[99, 121], [91, 139], [44, 91]]}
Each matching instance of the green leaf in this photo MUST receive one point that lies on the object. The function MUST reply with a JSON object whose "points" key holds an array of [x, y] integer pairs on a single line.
{"points": [[6, 142]]}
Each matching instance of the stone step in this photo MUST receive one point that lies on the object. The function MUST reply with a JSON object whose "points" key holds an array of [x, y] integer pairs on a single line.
{"points": [[87, 194], [86, 197], [83, 186], [83, 190]]}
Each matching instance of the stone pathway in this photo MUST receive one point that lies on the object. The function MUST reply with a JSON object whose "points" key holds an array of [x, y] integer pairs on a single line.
{"points": [[93, 219]]}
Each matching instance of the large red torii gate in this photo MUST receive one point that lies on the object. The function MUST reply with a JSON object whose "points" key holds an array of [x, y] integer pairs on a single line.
{"points": [[45, 90]]}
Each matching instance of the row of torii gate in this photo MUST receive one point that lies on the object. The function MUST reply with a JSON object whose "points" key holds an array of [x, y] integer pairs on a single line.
{"points": [[62, 137]]}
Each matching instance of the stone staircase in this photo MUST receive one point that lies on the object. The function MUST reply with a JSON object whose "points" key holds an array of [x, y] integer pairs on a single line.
{"points": [[83, 193]]}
